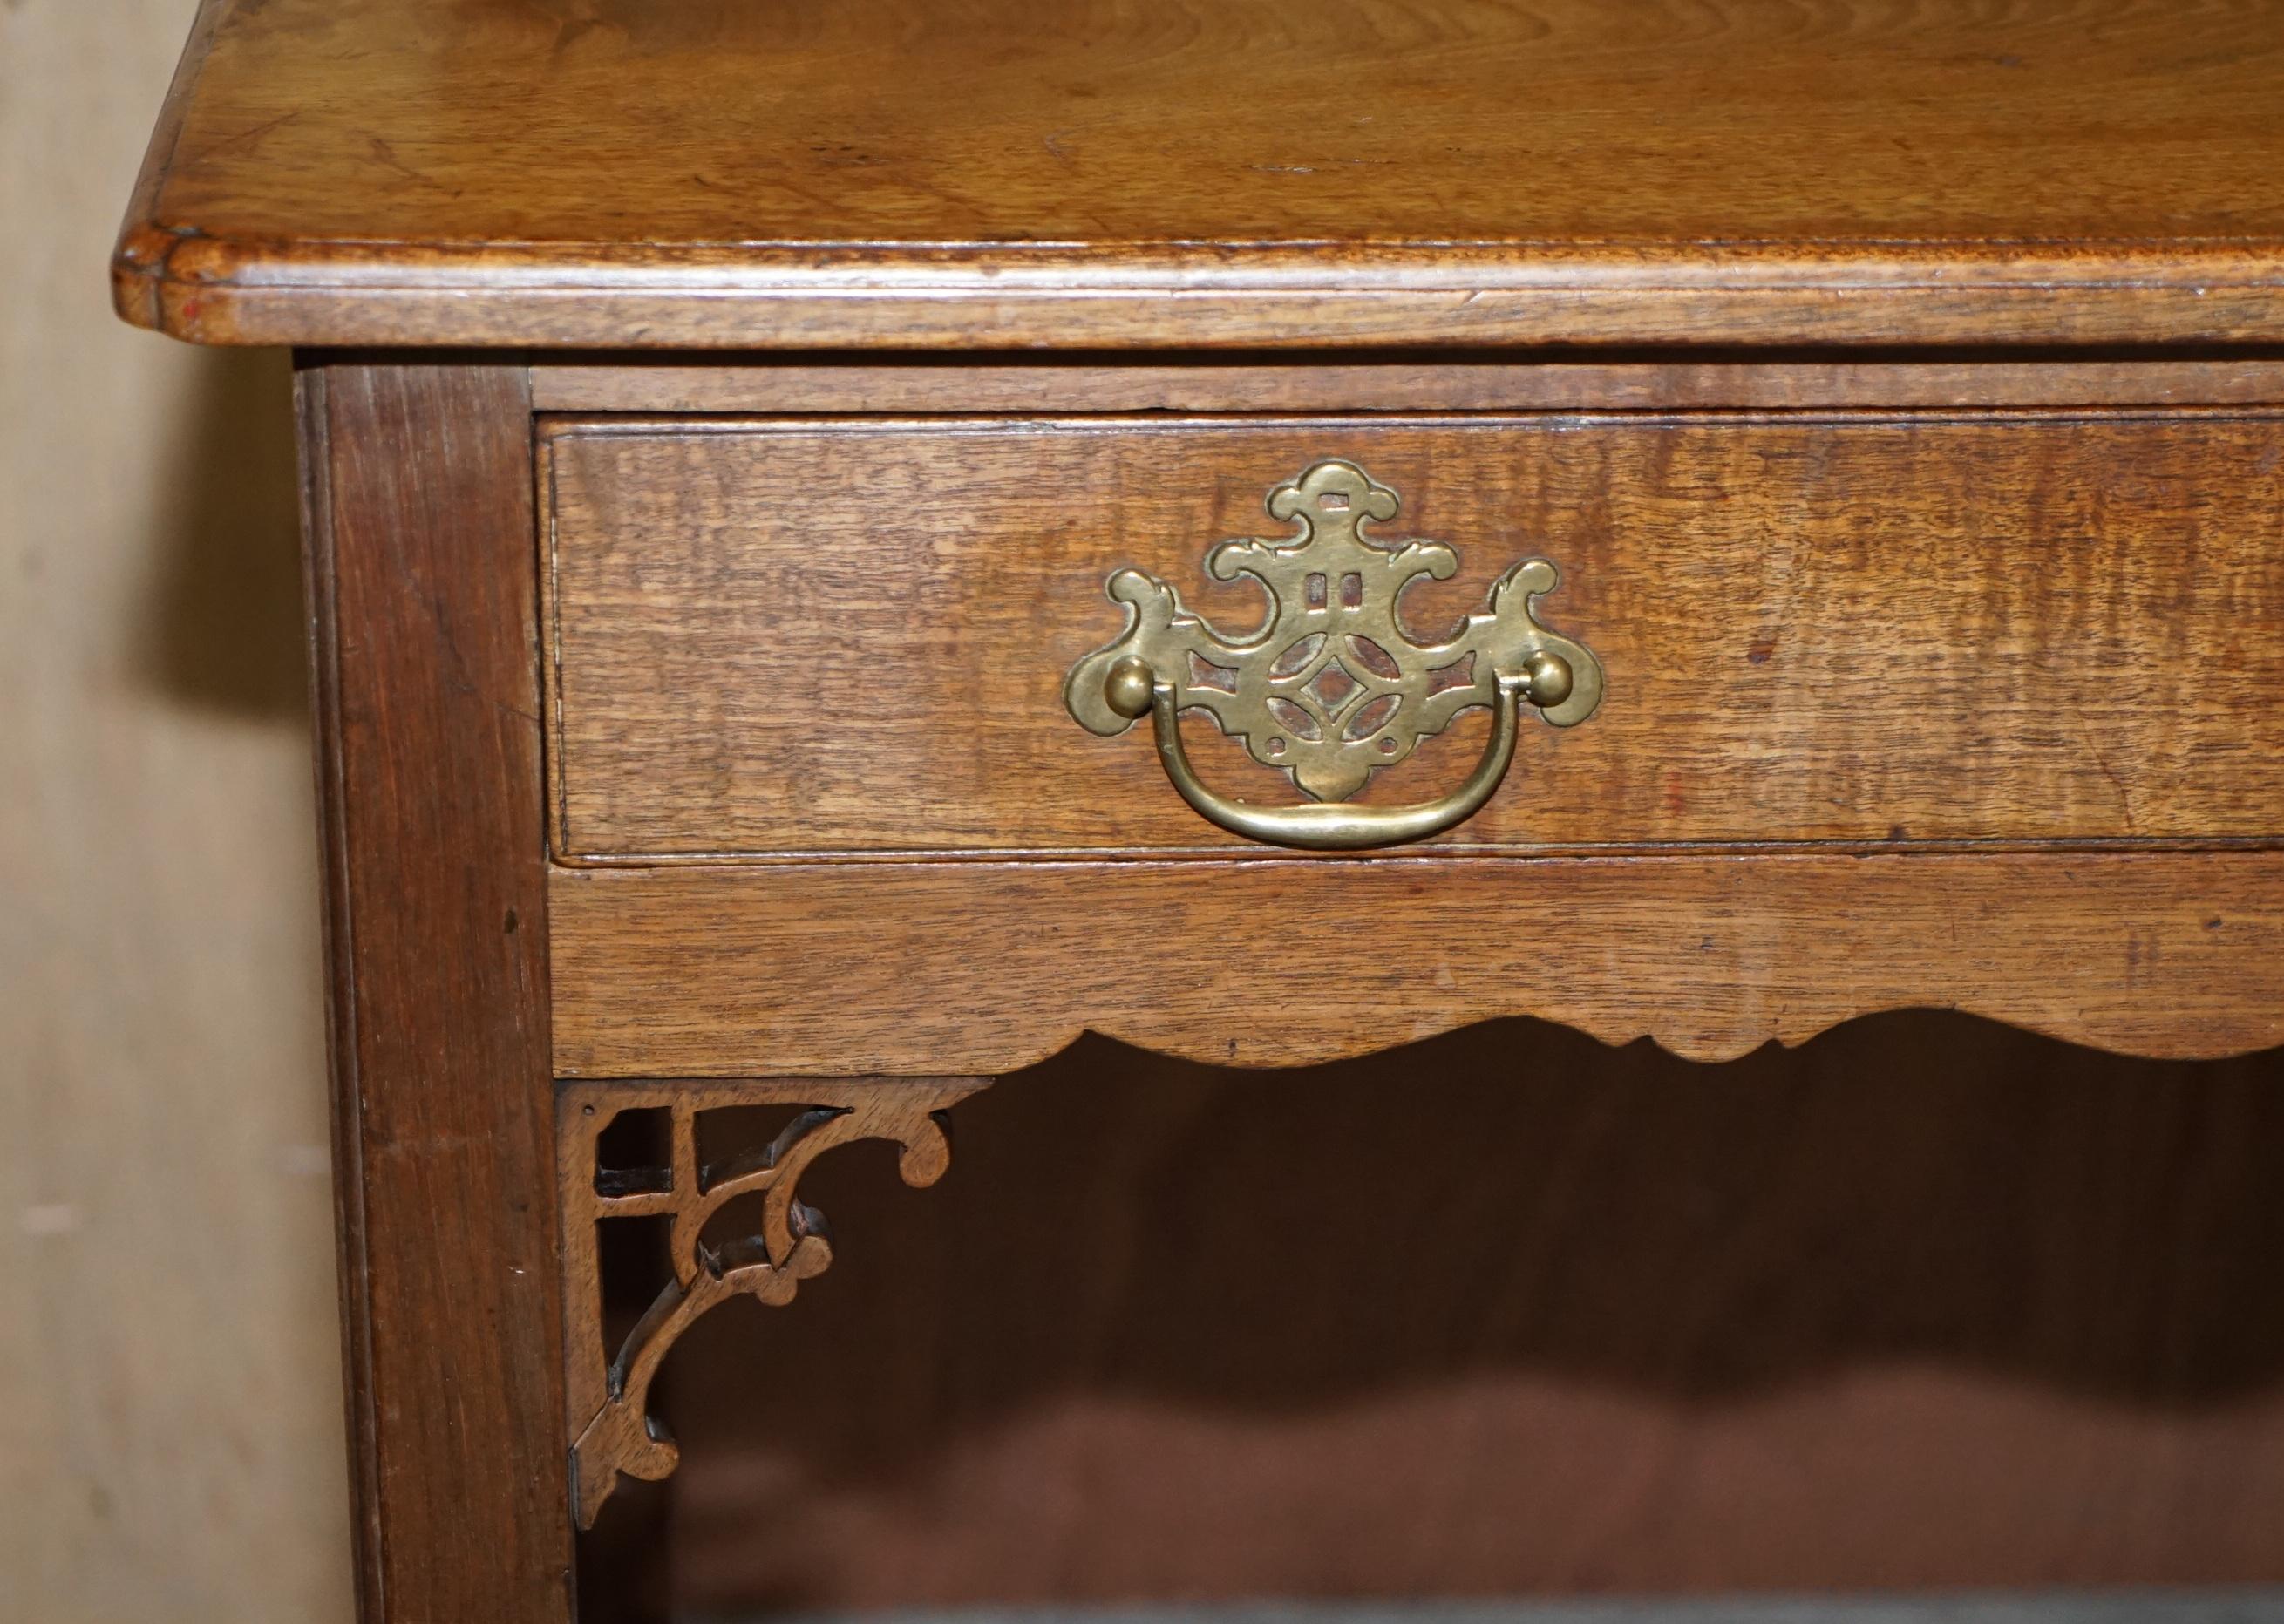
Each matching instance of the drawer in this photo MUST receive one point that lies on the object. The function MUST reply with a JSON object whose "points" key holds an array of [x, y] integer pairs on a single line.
{"points": [[776, 637]]}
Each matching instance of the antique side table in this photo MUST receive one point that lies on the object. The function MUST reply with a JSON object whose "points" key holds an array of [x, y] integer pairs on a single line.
{"points": [[849, 543]]}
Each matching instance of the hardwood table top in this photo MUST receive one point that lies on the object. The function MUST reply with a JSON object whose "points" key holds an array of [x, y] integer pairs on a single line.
{"points": [[731, 732], [989, 173]]}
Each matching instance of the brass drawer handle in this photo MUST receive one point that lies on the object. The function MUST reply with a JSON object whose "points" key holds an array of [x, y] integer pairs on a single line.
{"points": [[1331, 688]]}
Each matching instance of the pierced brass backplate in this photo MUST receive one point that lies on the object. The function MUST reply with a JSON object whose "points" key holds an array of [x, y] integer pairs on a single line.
{"points": [[1331, 688]]}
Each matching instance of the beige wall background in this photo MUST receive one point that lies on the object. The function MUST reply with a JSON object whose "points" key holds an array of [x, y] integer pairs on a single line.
{"points": [[169, 1408]]}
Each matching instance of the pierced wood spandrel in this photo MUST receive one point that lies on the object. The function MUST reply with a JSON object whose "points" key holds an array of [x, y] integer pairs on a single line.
{"points": [[611, 1430]]}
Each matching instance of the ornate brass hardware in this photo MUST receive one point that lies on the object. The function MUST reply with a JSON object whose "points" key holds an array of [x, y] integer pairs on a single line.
{"points": [[1331, 688]]}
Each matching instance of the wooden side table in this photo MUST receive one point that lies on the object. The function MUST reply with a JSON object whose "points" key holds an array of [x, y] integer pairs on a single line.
{"points": [[1700, 524]]}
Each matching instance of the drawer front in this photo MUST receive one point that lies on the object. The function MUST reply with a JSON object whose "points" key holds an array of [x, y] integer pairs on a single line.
{"points": [[776, 637]]}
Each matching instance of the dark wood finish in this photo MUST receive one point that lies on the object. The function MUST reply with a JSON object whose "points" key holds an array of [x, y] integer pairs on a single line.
{"points": [[853, 638], [2012, 674], [425, 673], [981, 967], [709, 173], [1253, 384]]}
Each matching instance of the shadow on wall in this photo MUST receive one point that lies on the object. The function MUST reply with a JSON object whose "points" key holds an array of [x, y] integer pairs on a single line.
{"points": [[222, 623], [1928, 1302]]}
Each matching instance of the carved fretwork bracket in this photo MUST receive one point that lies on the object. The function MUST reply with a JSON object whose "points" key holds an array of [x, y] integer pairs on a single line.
{"points": [[607, 1393]]}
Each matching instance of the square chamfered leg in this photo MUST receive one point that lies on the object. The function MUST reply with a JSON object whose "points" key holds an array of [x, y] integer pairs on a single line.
{"points": [[425, 675]]}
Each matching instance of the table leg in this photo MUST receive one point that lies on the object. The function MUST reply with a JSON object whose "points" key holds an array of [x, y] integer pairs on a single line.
{"points": [[425, 681]]}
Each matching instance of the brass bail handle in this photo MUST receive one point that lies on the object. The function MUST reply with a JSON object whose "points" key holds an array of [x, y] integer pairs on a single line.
{"points": [[1331, 688], [1337, 826]]}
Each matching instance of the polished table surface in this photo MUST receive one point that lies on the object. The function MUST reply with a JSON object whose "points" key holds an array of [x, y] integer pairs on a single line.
{"points": [[852, 545], [1164, 172]]}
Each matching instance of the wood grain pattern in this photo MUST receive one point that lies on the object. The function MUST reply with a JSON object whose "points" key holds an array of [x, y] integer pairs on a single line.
{"points": [[705, 173], [796, 637], [923, 969], [671, 384], [800, 642], [735, 309], [426, 693]]}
